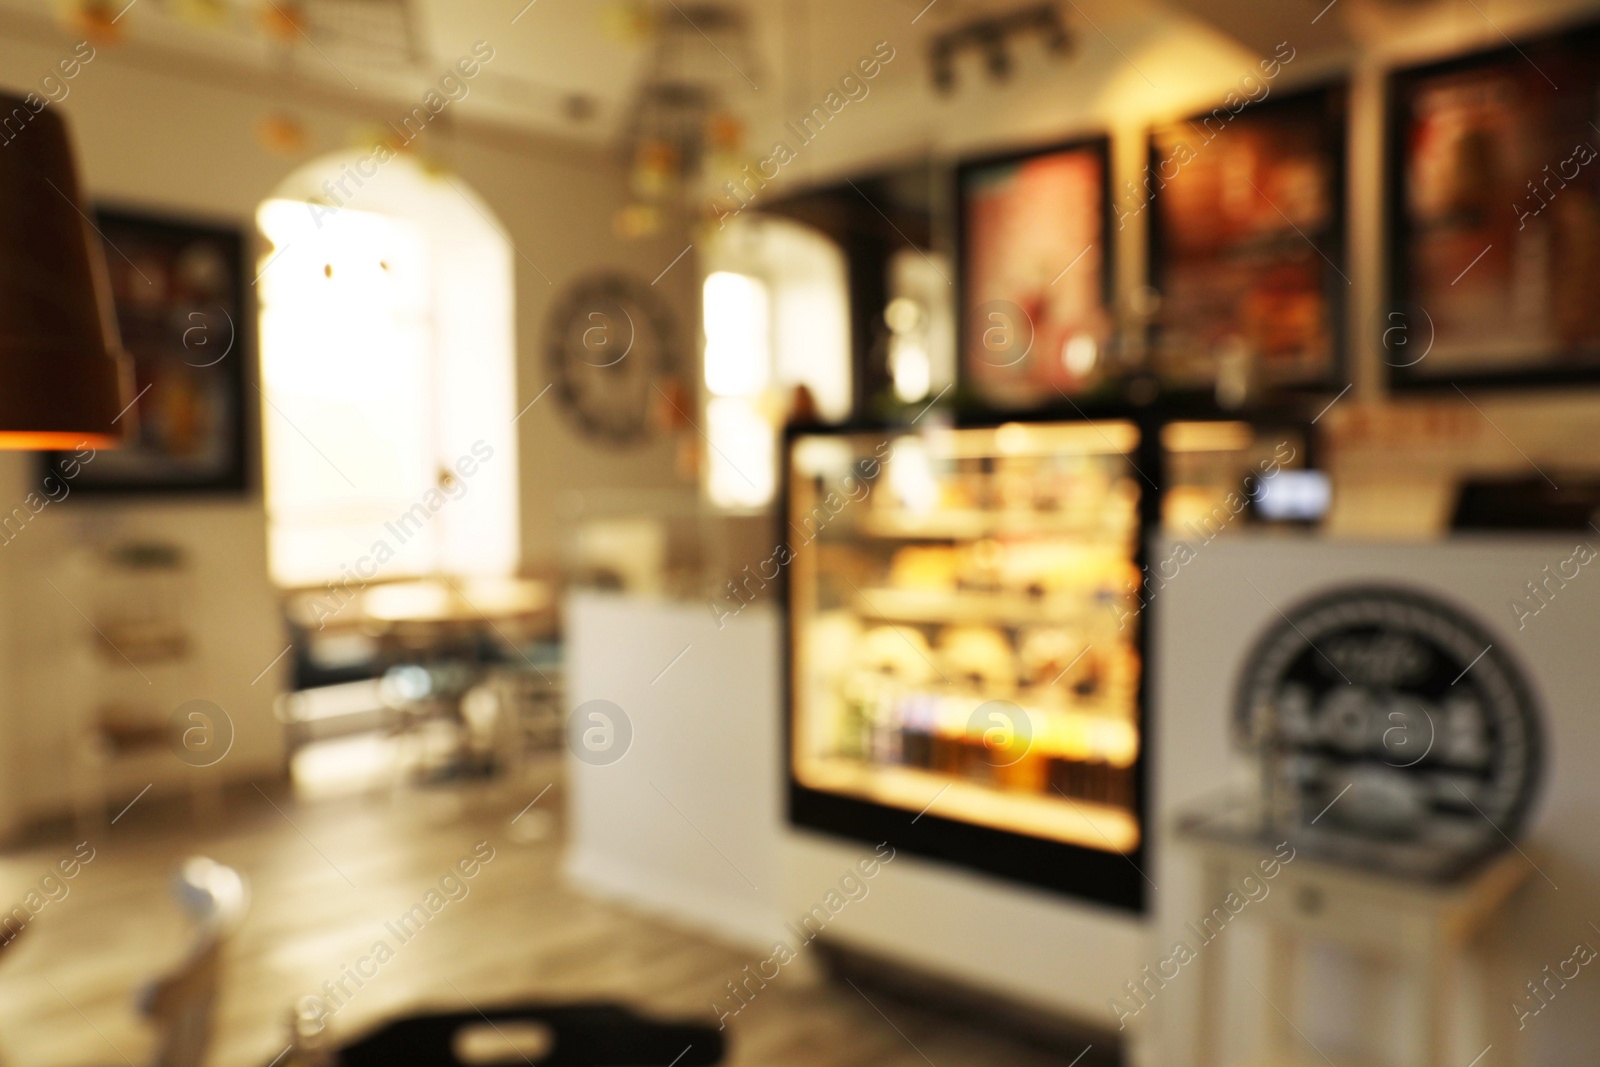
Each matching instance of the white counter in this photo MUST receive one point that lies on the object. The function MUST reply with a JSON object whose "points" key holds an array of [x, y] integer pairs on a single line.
{"points": [[688, 821]]}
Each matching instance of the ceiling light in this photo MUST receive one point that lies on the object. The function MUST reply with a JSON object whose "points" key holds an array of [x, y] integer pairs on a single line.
{"points": [[63, 381]]}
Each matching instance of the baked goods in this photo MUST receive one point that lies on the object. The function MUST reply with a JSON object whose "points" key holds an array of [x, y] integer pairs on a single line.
{"points": [[1053, 655], [924, 567], [978, 656], [898, 651]]}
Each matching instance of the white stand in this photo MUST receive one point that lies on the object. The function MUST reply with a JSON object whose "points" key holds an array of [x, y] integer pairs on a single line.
{"points": [[1424, 930]]}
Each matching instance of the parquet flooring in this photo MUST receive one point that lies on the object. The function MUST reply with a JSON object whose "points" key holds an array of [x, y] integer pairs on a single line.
{"points": [[327, 876]]}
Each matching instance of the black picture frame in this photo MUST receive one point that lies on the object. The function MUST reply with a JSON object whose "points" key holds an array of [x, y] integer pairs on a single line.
{"points": [[1115, 881], [1409, 317], [1323, 111], [179, 290], [971, 394]]}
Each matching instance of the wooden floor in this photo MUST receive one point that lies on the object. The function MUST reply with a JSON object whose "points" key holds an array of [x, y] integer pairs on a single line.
{"points": [[326, 876]]}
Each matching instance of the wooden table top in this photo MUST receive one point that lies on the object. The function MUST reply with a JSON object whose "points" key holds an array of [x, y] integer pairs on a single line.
{"points": [[455, 600]]}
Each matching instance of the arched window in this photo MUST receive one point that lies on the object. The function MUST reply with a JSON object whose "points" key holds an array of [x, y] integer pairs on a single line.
{"points": [[776, 314], [387, 376]]}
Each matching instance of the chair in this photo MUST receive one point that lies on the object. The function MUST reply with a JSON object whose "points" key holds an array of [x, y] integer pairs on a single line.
{"points": [[7, 939], [513, 713], [182, 1003]]}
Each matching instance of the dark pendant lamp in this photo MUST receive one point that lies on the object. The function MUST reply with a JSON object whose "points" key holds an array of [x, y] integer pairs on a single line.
{"points": [[63, 379]]}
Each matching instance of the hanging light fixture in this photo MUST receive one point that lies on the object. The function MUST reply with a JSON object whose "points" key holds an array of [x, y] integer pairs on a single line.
{"points": [[993, 36], [63, 379]]}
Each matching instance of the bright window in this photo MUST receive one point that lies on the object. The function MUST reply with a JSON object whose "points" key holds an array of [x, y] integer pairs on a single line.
{"points": [[388, 379], [738, 335], [776, 315]]}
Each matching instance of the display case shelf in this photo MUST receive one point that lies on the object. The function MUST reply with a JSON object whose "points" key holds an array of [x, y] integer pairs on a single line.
{"points": [[966, 606], [969, 525], [1088, 823]]}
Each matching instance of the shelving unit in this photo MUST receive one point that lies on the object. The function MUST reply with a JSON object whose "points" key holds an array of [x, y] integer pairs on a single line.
{"points": [[966, 652], [138, 667]]}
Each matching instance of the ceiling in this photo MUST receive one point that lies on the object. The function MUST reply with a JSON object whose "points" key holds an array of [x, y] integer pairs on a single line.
{"points": [[572, 68], [566, 67]]}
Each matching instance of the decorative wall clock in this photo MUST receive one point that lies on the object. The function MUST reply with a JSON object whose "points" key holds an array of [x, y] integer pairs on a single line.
{"points": [[608, 349], [1386, 714]]}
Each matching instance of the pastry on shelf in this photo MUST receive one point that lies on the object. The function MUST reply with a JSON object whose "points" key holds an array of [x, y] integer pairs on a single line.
{"points": [[834, 636], [1014, 486], [978, 656], [982, 563], [932, 567], [1055, 654], [1051, 569], [1122, 676], [1088, 492], [899, 651]]}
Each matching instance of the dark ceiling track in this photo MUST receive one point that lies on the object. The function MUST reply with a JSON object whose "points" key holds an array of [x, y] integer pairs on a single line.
{"points": [[993, 37]]}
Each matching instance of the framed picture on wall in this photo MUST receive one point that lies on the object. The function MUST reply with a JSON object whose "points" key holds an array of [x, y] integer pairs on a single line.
{"points": [[1035, 277], [178, 288], [1247, 246], [1494, 209]]}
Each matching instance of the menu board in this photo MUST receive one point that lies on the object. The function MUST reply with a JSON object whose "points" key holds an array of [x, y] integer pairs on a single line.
{"points": [[1246, 242], [1496, 216], [1035, 269]]}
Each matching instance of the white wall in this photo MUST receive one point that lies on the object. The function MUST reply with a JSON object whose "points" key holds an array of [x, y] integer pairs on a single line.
{"points": [[155, 134]]}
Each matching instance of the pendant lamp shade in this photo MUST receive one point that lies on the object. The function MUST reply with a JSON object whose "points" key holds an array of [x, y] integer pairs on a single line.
{"points": [[63, 379]]}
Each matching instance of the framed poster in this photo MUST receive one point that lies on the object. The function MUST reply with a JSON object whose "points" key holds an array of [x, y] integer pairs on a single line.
{"points": [[1495, 216], [178, 289], [1247, 245], [1035, 277]]}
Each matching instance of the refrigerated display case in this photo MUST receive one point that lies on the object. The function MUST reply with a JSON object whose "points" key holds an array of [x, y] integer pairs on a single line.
{"points": [[967, 646]]}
